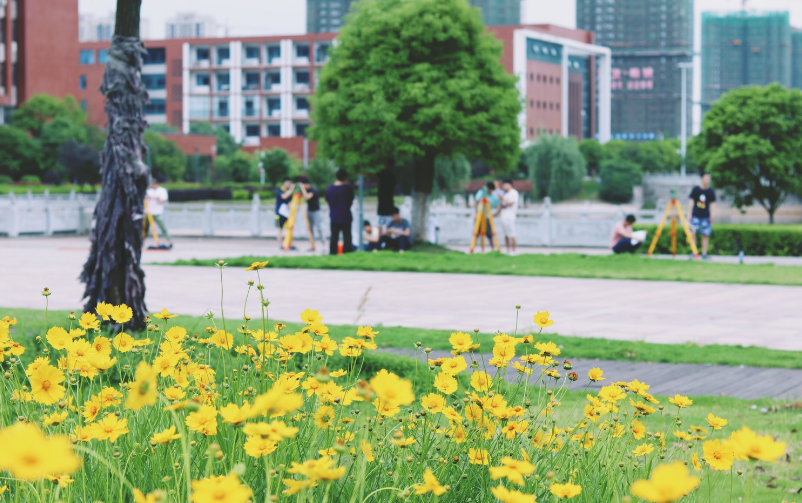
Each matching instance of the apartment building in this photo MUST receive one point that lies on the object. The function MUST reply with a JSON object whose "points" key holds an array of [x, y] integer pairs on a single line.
{"points": [[92, 28], [190, 25]]}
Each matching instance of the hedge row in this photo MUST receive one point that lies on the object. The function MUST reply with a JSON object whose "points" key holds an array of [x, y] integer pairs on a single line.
{"points": [[755, 240]]}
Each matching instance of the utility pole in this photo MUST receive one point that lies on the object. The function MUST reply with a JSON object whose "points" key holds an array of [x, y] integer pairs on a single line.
{"points": [[684, 114]]}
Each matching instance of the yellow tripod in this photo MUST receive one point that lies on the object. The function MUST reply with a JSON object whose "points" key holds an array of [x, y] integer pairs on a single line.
{"points": [[673, 204], [152, 226], [289, 225], [484, 219]]}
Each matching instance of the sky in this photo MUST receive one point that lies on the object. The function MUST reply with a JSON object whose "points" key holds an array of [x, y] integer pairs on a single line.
{"points": [[288, 17]]}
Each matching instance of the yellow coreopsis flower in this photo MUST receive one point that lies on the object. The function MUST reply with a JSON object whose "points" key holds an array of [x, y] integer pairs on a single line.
{"points": [[102, 345], [209, 490], [716, 422], [143, 391], [403, 442], [58, 337], [154, 497], [45, 385], [481, 381], [612, 393], [311, 317], [165, 437], [104, 310], [453, 366], [391, 389], [366, 332], [232, 414], [433, 402], [542, 320], [89, 321], [62, 480], [123, 342], [29, 455], [203, 420], [667, 483], [223, 339], [255, 266], [567, 490], [122, 314], [512, 469], [746, 444], [92, 408], [164, 314], [697, 466], [638, 430], [324, 417], [595, 374], [681, 401], [478, 456], [367, 450], [445, 383], [256, 446], [642, 450], [55, 418], [430, 483], [461, 342], [109, 428], [175, 334], [511, 495]]}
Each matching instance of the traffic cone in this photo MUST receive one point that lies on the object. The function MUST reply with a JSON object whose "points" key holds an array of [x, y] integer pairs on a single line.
{"points": [[339, 248]]}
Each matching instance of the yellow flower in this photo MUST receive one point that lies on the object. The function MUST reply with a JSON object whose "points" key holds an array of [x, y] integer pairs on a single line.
{"points": [[110, 397], [102, 345], [324, 417], [445, 383], [642, 407], [255, 266], [123, 342], [542, 319], [512, 469], [55, 418], [122, 314], [45, 386], [612, 393], [746, 444], [478, 456], [109, 428], [310, 317], [165, 437], [716, 422], [642, 450], [175, 334], [511, 496], [638, 430], [164, 314], [89, 321], [481, 381], [681, 401], [173, 393], [58, 337], [235, 415], [697, 466], [104, 310], [453, 366], [433, 402], [366, 332], [203, 420], [220, 489], [256, 446], [29, 455], [338, 373], [567, 490], [62, 480], [668, 482], [92, 408], [223, 339], [430, 483], [595, 374], [154, 497], [143, 391], [403, 442], [391, 389], [367, 450]]}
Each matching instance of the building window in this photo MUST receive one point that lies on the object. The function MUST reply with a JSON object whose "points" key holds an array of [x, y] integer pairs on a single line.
{"points": [[271, 79], [102, 56], [531, 131], [155, 107], [252, 130], [223, 81], [223, 55], [538, 105], [302, 78], [302, 51], [273, 106], [154, 81], [250, 107], [538, 77], [251, 81], [531, 103], [251, 52], [202, 79], [155, 56], [83, 105], [87, 57], [531, 76], [558, 106], [221, 108], [558, 80], [300, 129], [274, 130], [551, 80], [82, 82], [551, 106], [202, 54], [273, 54], [302, 104], [322, 53], [199, 107]]}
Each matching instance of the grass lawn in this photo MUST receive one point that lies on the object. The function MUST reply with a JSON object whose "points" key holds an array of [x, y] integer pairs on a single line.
{"points": [[31, 323], [437, 259]]}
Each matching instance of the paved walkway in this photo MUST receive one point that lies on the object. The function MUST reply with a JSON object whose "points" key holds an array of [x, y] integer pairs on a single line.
{"points": [[663, 312], [670, 379]]}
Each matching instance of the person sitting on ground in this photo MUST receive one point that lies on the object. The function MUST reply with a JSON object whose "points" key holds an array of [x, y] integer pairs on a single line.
{"points": [[397, 235], [156, 197], [370, 237], [283, 198], [622, 240]]}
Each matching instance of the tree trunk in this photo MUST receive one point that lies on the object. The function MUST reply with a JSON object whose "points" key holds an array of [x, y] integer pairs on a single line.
{"points": [[112, 272], [424, 184]]}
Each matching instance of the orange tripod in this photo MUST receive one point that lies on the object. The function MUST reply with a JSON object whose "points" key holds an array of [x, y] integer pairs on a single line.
{"points": [[673, 204], [484, 219], [289, 225]]}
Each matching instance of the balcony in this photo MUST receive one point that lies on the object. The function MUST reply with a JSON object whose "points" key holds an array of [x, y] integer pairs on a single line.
{"points": [[222, 82], [273, 108], [199, 57], [250, 107], [250, 81], [250, 55], [273, 81], [220, 108], [301, 56], [273, 55]]}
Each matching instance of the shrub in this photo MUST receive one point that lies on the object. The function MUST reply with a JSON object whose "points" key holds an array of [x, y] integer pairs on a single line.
{"points": [[4, 179], [556, 166], [754, 240], [618, 177], [277, 165], [30, 179], [167, 159]]}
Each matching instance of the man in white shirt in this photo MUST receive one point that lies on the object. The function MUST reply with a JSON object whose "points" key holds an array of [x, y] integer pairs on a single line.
{"points": [[507, 214], [156, 197]]}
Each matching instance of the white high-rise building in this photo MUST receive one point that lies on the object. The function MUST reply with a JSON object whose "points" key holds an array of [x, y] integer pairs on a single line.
{"points": [[92, 28], [190, 25]]}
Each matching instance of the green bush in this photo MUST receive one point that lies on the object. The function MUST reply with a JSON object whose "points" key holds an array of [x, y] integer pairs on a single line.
{"points": [[5, 179], [240, 195], [30, 179], [556, 166], [729, 239], [618, 177]]}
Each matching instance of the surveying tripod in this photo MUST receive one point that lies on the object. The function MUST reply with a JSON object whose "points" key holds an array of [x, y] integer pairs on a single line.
{"points": [[484, 218], [673, 204], [289, 225]]}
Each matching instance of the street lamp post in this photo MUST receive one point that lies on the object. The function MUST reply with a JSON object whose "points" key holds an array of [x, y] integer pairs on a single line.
{"points": [[684, 115]]}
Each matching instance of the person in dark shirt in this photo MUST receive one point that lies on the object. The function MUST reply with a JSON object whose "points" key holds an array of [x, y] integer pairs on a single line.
{"points": [[283, 198], [387, 184], [702, 205], [397, 235], [340, 196], [312, 197]]}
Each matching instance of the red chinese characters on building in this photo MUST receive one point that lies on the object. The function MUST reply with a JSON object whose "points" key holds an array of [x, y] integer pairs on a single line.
{"points": [[633, 79]]}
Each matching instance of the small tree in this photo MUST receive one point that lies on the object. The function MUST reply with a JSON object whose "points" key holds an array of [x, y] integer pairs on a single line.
{"points": [[167, 159], [751, 143], [593, 152], [32, 115], [321, 173], [618, 177], [556, 166], [277, 165], [416, 79], [80, 163], [19, 153]]}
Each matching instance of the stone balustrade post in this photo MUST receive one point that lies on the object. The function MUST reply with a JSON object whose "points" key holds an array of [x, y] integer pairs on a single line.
{"points": [[208, 213], [547, 221], [256, 216]]}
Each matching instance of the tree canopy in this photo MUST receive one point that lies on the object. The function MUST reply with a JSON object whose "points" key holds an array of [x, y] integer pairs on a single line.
{"points": [[751, 143], [556, 166], [167, 160]]}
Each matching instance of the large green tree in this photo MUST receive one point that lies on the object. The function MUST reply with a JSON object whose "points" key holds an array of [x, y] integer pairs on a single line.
{"points": [[416, 79], [751, 143]]}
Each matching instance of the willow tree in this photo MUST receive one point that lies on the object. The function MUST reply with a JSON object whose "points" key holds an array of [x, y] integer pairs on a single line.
{"points": [[113, 273], [416, 79]]}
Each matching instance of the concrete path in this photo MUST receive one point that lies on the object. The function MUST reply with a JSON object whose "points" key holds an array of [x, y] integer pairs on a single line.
{"points": [[668, 378], [663, 312]]}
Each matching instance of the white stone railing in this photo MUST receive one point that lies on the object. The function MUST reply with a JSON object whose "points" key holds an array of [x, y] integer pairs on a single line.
{"points": [[45, 213]]}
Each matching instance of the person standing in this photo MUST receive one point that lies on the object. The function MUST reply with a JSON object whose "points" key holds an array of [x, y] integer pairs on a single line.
{"points": [[283, 198], [702, 206], [387, 184], [156, 197], [507, 214], [340, 196], [312, 197]]}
